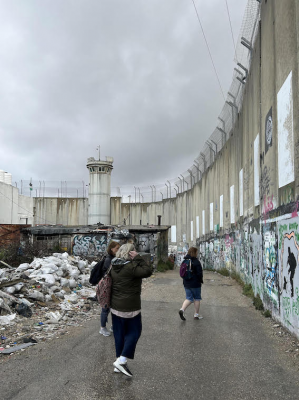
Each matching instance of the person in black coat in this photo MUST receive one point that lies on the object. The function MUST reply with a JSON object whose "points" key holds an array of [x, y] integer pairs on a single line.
{"points": [[192, 285], [111, 250]]}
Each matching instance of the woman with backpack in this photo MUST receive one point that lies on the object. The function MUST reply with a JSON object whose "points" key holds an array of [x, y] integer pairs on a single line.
{"points": [[111, 252], [192, 283]]}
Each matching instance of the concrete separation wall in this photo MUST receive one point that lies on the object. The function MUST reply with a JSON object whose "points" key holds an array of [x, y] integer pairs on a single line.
{"points": [[243, 214]]}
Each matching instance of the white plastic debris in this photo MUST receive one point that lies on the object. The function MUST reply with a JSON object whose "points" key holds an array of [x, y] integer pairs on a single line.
{"points": [[64, 282], [49, 279], [82, 265], [34, 294], [7, 319], [84, 279], [53, 317], [49, 269], [64, 256], [19, 286], [74, 273], [72, 298], [72, 283], [22, 267], [10, 290]]}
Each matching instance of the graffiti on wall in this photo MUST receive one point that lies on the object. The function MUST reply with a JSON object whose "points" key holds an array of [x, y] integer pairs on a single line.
{"points": [[271, 283], [89, 245], [288, 272]]}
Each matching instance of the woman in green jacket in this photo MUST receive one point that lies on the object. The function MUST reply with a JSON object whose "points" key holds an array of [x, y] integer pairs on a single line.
{"points": [[128, 269]]}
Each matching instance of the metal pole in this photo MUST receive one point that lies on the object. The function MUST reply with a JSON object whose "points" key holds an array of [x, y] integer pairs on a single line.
{"points": [[214, 144], [162, 195], [139, 194], [204, 161], [169, 189], [135, 194], [176, 192], [155, 197], [152, 194], [180, 183], [177, 187]]}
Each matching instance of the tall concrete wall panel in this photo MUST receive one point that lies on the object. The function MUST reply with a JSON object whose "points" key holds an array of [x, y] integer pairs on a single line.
{"points": [[243, 213], [60, 211]]}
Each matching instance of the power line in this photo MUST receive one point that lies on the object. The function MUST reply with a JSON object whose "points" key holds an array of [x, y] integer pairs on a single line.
{"points": [[203, 32], [230, 23]]}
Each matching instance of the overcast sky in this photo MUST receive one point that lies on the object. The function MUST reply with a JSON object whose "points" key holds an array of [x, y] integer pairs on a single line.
{"points": [[131, 75]]}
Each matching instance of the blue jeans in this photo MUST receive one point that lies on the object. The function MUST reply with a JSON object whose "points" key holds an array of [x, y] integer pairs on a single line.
{"points": [[126, 332], [104, 317], [193, 294]]}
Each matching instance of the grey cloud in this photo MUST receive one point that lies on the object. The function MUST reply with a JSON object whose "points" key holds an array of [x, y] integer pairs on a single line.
{"points": [[133, 76]]}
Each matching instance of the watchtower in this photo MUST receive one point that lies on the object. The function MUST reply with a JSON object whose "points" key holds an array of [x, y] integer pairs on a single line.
{"points": [[99, 190]]}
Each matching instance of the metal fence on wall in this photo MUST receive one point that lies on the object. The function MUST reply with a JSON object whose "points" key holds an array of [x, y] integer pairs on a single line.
{"points": [[52, 188]]}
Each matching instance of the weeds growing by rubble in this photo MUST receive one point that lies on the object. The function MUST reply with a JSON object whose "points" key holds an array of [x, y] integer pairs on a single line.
{"points": [[223, 271], [248, 291], [267, 314], [164, 266], [237, 278], [257, 302]]}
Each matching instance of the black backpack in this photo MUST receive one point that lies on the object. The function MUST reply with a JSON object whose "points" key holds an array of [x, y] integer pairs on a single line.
{"points": [[96, 273]]}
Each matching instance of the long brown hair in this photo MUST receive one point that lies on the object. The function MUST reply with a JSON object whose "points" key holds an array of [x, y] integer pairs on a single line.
{"points": [[192, 252], [111, 246]]}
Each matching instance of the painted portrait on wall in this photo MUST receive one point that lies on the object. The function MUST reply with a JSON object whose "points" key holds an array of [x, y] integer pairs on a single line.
{"points": [[268, 131]]}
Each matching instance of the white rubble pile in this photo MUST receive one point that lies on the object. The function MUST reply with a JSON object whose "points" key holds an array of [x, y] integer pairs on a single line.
{"points": [[44, 297]]}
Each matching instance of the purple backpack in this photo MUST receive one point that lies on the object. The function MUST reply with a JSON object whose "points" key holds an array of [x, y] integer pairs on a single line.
{"points": [[185, 269]]}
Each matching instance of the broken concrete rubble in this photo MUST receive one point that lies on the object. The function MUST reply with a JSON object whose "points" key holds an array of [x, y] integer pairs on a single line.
{"points": [[41, 299]]}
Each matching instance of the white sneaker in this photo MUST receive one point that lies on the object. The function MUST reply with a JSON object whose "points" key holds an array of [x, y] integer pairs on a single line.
{"points": [[196, 316], [104, 332], [111, 329], [122, 368]]}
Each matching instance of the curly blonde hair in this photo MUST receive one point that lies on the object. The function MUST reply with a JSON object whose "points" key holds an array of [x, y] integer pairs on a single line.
{"points": [[123, 251]]}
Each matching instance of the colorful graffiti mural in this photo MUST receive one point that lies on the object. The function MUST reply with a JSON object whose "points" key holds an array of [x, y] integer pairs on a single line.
{"points": [[288, 272], [89, 245]]}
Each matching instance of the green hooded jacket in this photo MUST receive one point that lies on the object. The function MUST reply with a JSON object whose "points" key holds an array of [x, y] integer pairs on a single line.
{"points": [[126, 283]]}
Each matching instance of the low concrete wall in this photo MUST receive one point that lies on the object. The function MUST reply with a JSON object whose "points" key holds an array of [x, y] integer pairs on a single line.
{"points": [[14, 208]]}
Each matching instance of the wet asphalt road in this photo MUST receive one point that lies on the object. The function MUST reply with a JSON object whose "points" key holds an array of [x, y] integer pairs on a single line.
{"points": [[229, 354]]}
